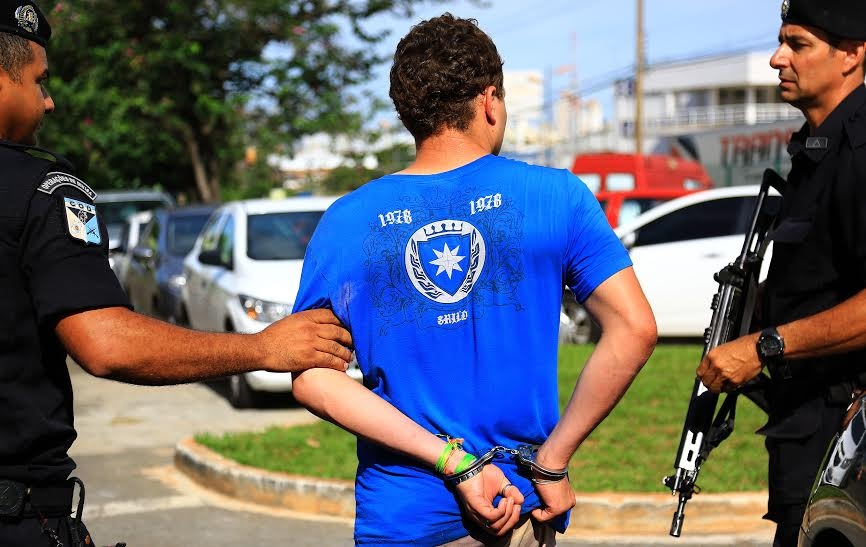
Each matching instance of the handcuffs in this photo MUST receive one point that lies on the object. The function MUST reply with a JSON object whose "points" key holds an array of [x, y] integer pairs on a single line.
{"points": [[525, 456]]}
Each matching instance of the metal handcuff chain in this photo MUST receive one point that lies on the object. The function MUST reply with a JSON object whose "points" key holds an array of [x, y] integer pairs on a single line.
{"points": [[525, 456]]}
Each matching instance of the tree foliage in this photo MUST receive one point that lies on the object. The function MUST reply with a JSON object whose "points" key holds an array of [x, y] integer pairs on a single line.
{"points": [[353, 175], [174, 93]]}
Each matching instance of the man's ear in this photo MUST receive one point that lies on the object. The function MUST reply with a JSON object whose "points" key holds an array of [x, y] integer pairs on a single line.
{"points": [[855, 52], [489, 109]]}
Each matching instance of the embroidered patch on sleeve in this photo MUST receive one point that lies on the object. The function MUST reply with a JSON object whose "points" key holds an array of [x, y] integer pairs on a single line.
{"points": [[81, 222], [56, 179]]}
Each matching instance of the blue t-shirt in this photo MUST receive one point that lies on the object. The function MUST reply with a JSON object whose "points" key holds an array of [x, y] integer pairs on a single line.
{"points": [[451, 285]]}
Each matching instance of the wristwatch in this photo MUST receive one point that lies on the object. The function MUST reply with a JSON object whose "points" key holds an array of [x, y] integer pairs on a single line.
{"points": [[770, 346]]}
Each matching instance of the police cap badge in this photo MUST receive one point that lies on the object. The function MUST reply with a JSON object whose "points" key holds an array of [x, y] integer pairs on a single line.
{"points": [[843, 19], [25, 19]]}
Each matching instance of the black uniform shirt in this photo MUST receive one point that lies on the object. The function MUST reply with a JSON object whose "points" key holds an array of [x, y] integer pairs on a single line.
{"points": [[819, 239], [53, 262]]}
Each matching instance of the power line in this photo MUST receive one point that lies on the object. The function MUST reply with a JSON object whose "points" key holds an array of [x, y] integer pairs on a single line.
{"points": [[525, 22], [608, 79]]}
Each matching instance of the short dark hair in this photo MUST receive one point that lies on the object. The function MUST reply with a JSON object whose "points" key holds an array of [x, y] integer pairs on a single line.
{"points": [[15, 54], [439, 68]]}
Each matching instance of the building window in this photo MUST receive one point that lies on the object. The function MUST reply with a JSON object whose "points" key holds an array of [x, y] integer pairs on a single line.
{"points": [[732, 96]]}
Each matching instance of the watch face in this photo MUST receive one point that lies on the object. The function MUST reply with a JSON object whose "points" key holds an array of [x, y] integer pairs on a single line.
{"points": [[771, 346]]}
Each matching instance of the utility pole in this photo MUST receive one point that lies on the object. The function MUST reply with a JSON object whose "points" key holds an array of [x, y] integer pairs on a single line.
{"points": [[638, 82]]}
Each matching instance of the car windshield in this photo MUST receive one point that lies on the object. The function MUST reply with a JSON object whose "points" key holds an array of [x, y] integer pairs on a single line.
{"points": [[280, 236], [182, 233]]}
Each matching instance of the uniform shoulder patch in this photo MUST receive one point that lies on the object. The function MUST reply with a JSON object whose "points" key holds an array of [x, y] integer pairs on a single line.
{"points": [[81, 221], [56, 179]]}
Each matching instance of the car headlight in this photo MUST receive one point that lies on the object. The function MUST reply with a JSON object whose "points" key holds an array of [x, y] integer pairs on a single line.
{"points": [[262, 310], [177, 281]]}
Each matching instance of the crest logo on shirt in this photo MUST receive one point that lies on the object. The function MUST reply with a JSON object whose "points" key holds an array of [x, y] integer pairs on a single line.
{"points": [[81, 221], [444, 259]]}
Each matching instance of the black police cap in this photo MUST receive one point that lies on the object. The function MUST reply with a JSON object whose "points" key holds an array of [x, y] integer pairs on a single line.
{"points": [[25, 19], [844, 19]]}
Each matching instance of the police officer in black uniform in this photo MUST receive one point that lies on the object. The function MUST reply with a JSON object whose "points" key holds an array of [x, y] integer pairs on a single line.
{"points": [[58, 296], [814, 302]]}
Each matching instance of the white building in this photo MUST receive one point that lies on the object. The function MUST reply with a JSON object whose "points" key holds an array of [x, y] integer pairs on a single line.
{"points": [[704, 94], [724, 111], [540, 122]]}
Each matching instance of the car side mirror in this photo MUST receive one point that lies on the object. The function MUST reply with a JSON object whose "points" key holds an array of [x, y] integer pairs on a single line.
{"points": [[142, 253], [212, 258], [628, 240]]}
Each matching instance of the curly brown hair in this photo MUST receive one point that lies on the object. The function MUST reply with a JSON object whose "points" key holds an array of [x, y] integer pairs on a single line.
{"points": [[439, 68], [15, 54]]}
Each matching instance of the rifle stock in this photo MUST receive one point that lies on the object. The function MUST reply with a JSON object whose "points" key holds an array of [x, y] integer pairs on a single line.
{"points": [[733, 306]]}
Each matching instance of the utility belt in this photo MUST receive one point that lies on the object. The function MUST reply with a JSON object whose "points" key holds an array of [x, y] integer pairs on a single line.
{"points": [[18, 500], [839, 380], [48, 501]]}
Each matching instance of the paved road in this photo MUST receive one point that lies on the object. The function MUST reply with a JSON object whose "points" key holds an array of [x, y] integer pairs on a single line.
{"points": [[124, 453]]}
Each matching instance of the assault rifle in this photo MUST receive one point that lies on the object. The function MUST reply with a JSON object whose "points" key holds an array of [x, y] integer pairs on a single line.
{"points": [[733, 306]]}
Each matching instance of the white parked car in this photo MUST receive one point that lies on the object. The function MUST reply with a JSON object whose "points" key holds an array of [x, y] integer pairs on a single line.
{"points": [[243, 274], [120, 257], [677, 247]]}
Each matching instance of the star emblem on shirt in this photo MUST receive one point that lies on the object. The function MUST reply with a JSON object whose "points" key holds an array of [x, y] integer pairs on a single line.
{"points": [[447, 260]]}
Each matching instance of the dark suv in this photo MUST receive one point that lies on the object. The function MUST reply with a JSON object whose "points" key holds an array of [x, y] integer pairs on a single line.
{"points": [[115, 206], [154, 278]]}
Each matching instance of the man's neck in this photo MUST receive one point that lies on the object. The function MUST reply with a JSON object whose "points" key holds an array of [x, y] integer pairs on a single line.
{"points": [[445, 151], [818, 113]]}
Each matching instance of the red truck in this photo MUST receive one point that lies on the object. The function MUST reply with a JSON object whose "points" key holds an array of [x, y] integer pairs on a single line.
{"points": [[629, 184]]}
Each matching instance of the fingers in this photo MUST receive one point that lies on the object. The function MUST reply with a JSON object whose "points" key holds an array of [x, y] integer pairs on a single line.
{"points": [[542, 514], [321, 315], [703, 368], [478, 494], [330, 340], [510, 516], [556, 498], [325, 325], [336, 333], [339, 351], [508, 490], [337, 363]]}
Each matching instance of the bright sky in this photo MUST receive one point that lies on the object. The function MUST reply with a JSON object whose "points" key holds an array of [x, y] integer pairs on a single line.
{"points": [[598, 36]]}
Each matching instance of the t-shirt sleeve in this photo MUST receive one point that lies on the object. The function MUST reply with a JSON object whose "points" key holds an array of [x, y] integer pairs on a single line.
{"points": [[65, 255], [314, 290], [594, 252]]}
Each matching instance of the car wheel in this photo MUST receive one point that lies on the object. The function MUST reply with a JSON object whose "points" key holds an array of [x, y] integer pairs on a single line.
{"points": [[575, 324], [241, 395]]}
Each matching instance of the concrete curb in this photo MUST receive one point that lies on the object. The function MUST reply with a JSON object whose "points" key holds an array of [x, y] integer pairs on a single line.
{"points": [[212, 471], [610, 514]]}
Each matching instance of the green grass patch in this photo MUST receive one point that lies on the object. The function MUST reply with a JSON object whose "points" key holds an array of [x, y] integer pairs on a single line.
{"points": [[629, 452]]}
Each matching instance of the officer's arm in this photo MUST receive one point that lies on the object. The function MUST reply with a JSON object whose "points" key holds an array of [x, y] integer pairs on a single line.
{"points": [[123, 345], [840, 329]]}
